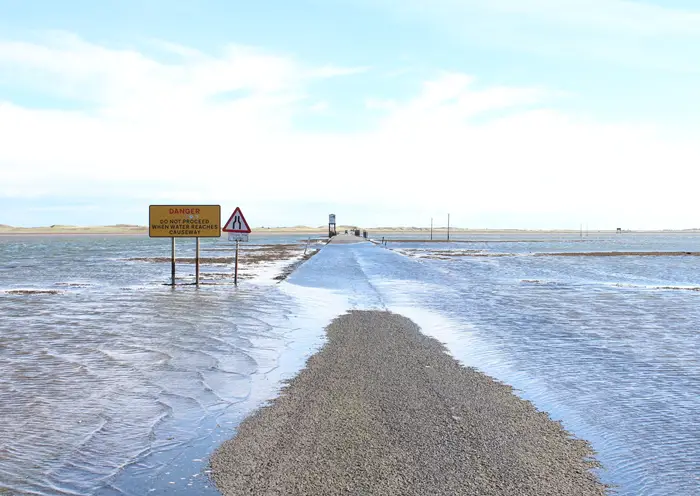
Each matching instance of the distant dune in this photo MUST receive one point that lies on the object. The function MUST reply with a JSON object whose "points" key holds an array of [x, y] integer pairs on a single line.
{"points": [[297, 229], [135, 229], [138, 230], [66, 229]]}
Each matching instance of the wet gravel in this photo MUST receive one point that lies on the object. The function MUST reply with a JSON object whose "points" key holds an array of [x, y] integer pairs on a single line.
{"points": [[383, 409]]}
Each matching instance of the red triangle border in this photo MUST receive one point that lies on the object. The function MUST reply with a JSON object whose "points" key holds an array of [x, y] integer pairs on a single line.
{"points": [[238, 210]]}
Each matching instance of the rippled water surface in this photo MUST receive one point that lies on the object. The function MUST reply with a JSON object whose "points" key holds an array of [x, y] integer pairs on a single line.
{"points": [[113, 383], [609, 345], [121, 384]]}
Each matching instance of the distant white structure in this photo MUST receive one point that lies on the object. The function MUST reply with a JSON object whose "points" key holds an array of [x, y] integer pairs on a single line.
{"points": [[331, 225]]}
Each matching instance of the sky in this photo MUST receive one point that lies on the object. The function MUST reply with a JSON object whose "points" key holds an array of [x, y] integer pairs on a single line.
{"points": [[506, 114]]}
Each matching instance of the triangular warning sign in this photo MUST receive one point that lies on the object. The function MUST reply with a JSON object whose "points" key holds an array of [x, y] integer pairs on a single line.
{"points": [[236, 223]]}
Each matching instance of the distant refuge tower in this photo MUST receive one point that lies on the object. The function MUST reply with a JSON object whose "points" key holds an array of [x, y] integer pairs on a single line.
{"points": [[331, 226]]}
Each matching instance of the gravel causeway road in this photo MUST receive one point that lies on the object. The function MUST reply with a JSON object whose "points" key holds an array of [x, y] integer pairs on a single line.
{"points": [[383, 409]]}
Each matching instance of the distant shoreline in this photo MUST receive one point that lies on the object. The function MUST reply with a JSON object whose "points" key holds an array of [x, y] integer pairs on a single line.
{"points": [[133, 230]]}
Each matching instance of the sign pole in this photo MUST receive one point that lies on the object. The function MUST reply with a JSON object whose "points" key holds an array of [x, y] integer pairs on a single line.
{"points": [[235, 272], [172, 266], [196, 270]]}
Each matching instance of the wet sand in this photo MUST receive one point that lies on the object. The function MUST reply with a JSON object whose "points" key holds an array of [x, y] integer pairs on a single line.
{"points": [[622, 254], [448, 254], [471, 241], [382, 409]]}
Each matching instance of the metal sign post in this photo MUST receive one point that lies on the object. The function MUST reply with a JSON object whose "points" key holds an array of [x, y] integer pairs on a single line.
{"points": [[172, 261], [235, 270], [196, 261]]}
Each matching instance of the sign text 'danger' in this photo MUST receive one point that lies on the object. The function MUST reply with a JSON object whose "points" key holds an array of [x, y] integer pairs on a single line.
{"points": [[184, 221]]}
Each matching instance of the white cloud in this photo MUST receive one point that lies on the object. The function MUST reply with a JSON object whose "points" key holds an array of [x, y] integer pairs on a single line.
{"points": [[155, 132], [67, 66], [449, 99]]}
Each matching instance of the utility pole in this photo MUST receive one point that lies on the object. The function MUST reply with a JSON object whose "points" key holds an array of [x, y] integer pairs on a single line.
{"points": [[448, 227]]}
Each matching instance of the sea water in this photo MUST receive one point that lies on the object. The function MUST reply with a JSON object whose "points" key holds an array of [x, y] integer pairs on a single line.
{"points": [[112, 382], [608, 345]]}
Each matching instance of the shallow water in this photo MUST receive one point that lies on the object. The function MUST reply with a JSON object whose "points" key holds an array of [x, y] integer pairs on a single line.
{"points": [[609, 345], [122, 385]]}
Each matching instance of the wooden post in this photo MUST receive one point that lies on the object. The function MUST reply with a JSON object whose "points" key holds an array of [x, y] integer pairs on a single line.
{"points": [[172, 255], [196, 269], [235, 270]]}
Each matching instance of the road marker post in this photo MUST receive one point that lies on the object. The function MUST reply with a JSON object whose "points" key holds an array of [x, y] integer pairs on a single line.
{"points": [[448, 227]]}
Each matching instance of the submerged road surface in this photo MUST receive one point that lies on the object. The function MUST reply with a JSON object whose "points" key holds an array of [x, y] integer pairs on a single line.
{"points": [[382, 409]]}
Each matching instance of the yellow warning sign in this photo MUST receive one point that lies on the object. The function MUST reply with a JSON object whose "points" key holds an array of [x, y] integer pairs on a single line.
{"points": [[184, 221]]}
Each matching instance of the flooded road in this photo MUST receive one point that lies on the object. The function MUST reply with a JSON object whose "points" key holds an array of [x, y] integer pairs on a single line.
{"points": [[609, 345], [112, 383]]}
